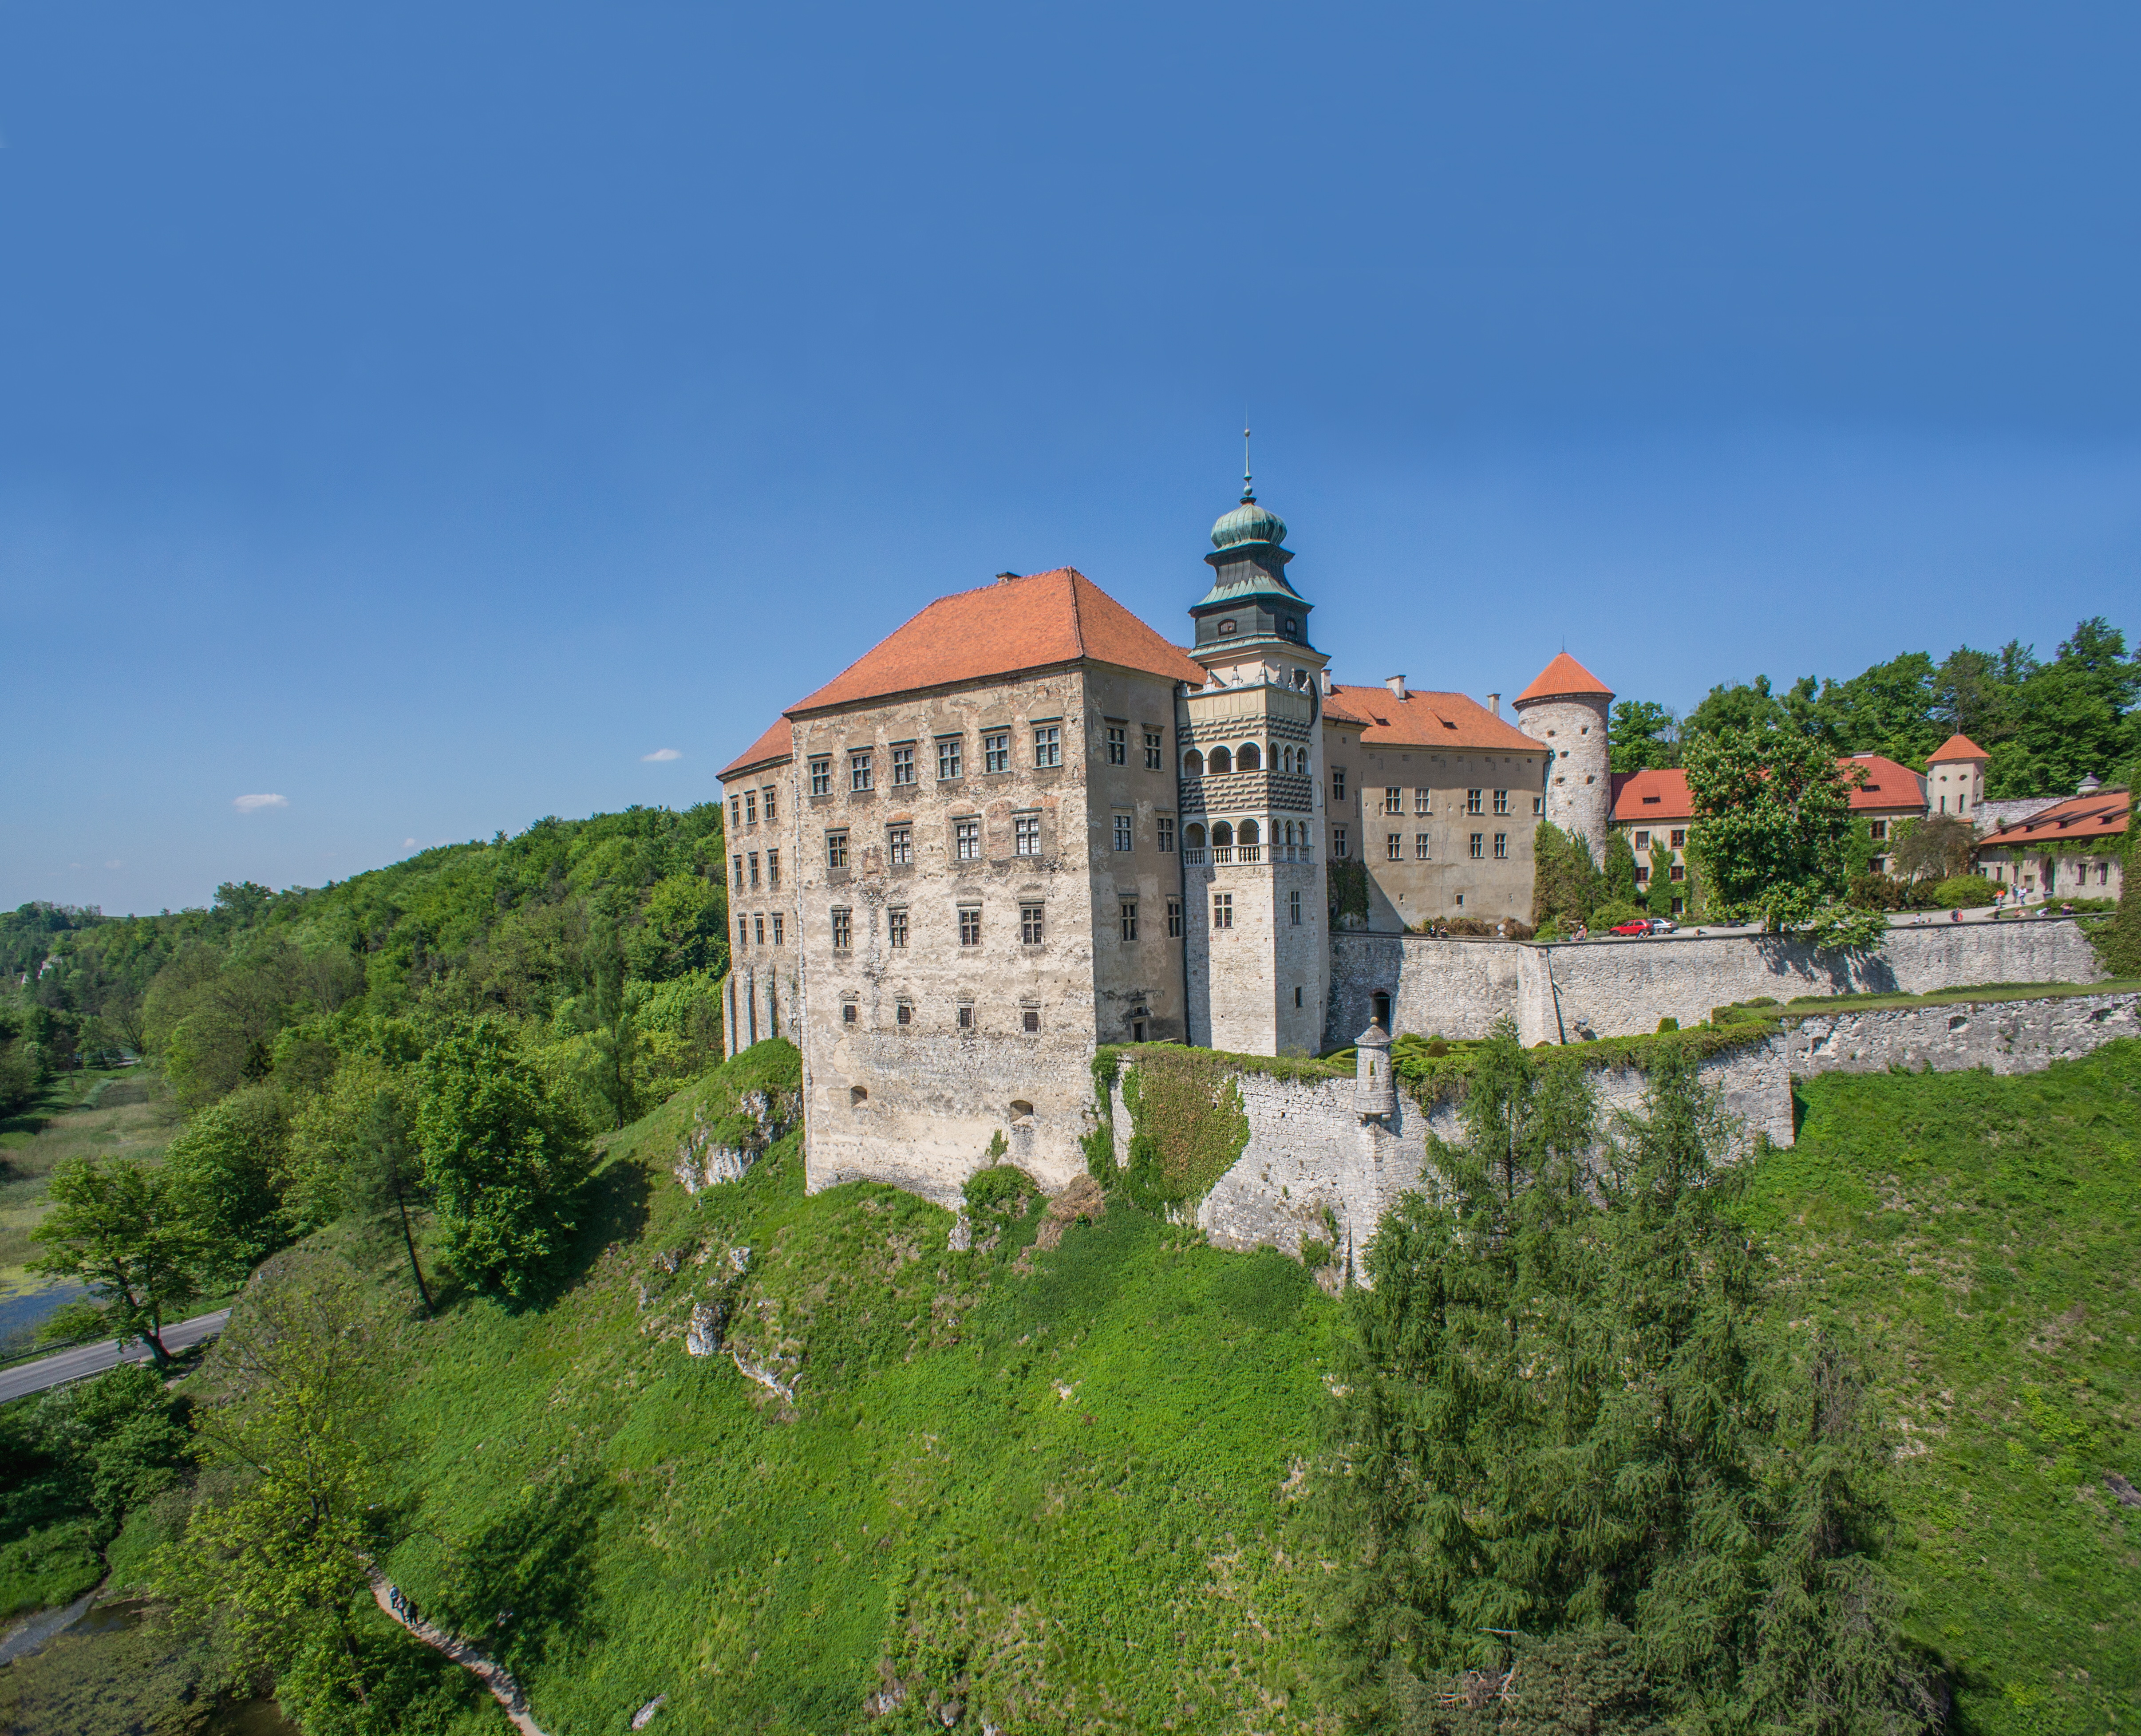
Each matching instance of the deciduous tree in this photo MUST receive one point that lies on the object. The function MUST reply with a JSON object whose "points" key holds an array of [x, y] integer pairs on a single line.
{"points": [[121, 1230]]}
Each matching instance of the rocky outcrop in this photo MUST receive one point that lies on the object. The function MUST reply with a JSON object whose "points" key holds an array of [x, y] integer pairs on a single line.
{"points": [[718, 1149]]}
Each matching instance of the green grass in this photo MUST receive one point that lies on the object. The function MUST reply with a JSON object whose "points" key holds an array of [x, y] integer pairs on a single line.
{"points": [[1979, 1238], [124, 1113], [1059, 1486]]}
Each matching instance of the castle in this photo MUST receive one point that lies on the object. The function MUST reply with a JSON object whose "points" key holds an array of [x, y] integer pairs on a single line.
{"points": [[1026, 825]]}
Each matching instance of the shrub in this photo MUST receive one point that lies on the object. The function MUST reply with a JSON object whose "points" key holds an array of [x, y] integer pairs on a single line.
{"points": [[1611, 916], [1963, 892]]}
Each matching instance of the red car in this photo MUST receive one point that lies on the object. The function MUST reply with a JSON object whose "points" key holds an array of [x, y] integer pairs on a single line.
{"points": [[1641, 925]]}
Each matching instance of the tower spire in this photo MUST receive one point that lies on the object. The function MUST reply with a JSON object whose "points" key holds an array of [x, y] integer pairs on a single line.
{"points": [[1248, 492]]}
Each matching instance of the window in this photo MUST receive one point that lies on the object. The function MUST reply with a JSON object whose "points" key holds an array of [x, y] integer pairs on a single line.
{"points": [[1293, 628], [753, 859], [1026, 832], [1029, 924], [778, 938], [1393, 846], [947, 756], [1472, 802], [1226, 627], [1119, 745], [1129, 919], [895, 925], [1293, 909], [758, 929], [1679, 872], [1221, 763], [904, 1013], [1423, 801], [773, 868], [899, 846], [749, 808], [743, 931], [1338, 843], [1393, 801], [836, 850], [1029, 1016], [1153, 747], [995, 751], [966, 1015], [821, 776], [1337, 782], [1165, 826], [1538, 805], [1643, 875], [966, 839], [1192, 764], [1680, 840], [1122, 831], [970, 925], [1876, 829], [1478, 845], [735, 813], [1296, 995], [1501, 847], [769, 794], [1047, 745], [859, 772], [1643, 840], [902, 764], [1222, 910], [1501, 801], [739, 873], [849, 1012], [1175, 918], [843, 930], [1422, 851]]}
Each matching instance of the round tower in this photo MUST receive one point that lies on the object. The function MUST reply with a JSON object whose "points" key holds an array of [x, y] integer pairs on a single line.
{"points": [[1375, 1091], [1565, 711]]}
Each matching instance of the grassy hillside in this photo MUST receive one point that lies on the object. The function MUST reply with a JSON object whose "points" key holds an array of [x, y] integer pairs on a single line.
{"points": [[1059, 1487], [1981, 1240]]}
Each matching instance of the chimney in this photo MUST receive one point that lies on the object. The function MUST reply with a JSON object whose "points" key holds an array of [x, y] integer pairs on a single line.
{"points": [[1494, 703], [1006, 578], [1326, 683], [1395, 683]]}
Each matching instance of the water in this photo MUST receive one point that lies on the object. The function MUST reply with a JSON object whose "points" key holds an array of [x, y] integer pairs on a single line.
{"points": [[21, 1316]]}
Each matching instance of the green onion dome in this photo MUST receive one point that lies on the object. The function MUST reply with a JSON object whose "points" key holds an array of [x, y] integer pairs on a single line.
{"points": [[1248, 522]]}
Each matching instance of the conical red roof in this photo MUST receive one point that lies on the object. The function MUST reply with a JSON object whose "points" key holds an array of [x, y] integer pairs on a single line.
{"points": [[1958, 747], [1563, 678]]}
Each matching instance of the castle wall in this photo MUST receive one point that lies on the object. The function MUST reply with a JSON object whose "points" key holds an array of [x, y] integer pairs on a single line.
{"points": [[918, 1103], [2007, 1036], [1458, 988], [1431, 793]]}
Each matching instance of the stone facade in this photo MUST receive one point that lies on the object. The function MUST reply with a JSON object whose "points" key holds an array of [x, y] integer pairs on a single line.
{"points": [[1605, 988], [762, 996]]}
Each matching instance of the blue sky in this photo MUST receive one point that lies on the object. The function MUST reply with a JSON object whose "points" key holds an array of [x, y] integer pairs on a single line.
{"points": [[425, 413]]}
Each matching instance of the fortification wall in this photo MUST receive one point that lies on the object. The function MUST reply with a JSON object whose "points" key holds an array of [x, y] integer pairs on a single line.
{"points": [[2007, 1036], [1623, 988]]}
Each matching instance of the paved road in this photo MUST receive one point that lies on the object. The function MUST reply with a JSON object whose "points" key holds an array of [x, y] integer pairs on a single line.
{"points": [[85, 1360]]}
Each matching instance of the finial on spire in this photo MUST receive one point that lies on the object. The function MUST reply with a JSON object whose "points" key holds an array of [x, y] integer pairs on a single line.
{"points": [[1249, 493]]}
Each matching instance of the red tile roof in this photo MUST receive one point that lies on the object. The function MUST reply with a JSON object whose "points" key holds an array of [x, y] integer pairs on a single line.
{"points": [[1662, 794], [1039, 621], [2102, 815], [1563, 678], [1423, 720], [1958, 747], [776, 745]]}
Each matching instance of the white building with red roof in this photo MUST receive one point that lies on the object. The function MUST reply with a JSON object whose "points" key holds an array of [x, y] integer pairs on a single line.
{"points": [[2071, 849]]}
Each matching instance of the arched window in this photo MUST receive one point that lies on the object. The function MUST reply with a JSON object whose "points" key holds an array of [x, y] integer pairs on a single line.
{"points": [[1382, 1010], [1223, 762], [1285, 759], [1193, 836], [1222, 836], [1248, 759], [1249, 834], [1192, 764]]}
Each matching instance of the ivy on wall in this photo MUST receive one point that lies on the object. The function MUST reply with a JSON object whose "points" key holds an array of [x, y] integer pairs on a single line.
{"points": [[1188, 1126], [1349, 893]]}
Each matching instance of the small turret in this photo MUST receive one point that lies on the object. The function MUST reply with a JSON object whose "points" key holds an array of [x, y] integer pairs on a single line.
{"points": [[1374, 1088]]}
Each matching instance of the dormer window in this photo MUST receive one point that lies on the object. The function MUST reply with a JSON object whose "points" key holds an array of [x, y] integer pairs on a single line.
{"points": [[1293, 628], [1226, 627]]}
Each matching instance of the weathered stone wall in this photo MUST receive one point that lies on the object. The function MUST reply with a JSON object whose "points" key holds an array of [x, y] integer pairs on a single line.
{"points": [[1623, 988], [2007, 1036]]}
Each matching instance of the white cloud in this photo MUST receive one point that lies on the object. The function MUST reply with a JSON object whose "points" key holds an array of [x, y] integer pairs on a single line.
{"points": [[408, 844], [115, 865], [254, 804], [661, 753]]}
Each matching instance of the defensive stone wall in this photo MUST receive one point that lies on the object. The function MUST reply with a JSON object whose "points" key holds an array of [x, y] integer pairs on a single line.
{"points": [[1564, 992], [2007, 1036]]}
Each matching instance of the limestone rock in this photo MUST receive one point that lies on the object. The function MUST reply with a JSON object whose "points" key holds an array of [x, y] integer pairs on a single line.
{"points": [[703, 1338], [703, 1160]]}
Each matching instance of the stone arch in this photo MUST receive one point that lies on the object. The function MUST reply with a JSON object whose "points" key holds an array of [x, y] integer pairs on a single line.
{"points": [[1249, 833], [1192, 764], [1222, 762], [1223, 835], [1248, 759], [1193, 836]]}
